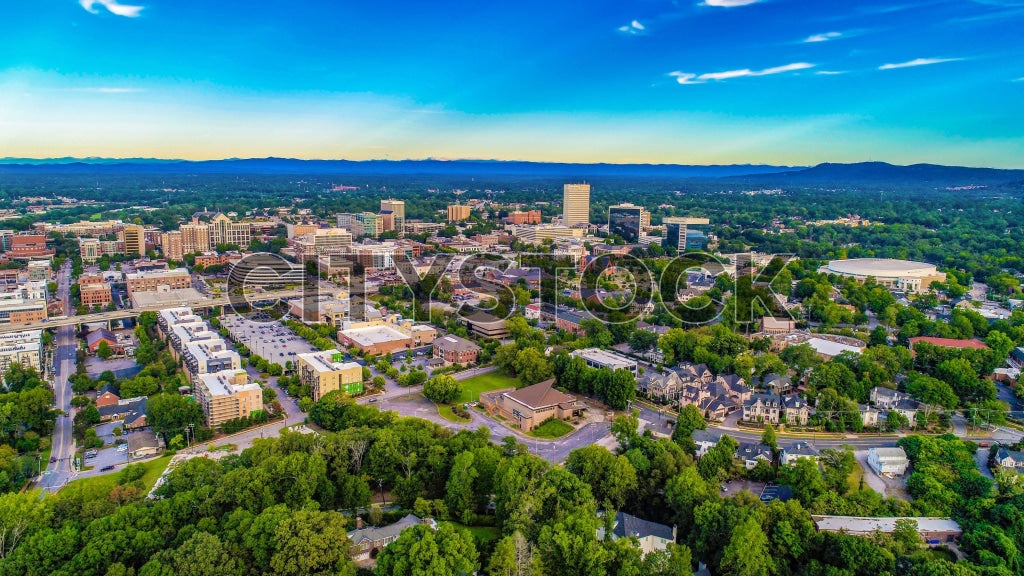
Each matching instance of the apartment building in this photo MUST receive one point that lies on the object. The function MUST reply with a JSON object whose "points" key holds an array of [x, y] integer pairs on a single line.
{"points": [[171, 244], [227, 395], [134, 240], [224, 231], [25, 348], [326, 371], [158, 280], [16, 309], [195, 237], [458, 212]]}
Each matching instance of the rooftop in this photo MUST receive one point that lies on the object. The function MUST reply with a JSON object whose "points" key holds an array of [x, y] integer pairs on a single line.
{"points": [[374, 335], [540, 395], [324, 361], [861, 524]]}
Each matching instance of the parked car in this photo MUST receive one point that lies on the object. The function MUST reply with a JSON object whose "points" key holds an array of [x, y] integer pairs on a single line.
{"points": [[91, 454], [122, 448], [107, 467]]}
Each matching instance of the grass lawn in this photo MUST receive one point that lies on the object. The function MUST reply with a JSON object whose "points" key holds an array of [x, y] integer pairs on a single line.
{"points": [[484, 534], [853, 481], [472, 387], [551, 429], [154, 468], [446, 412]]}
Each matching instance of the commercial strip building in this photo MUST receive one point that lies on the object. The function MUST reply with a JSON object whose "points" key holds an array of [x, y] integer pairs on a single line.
{"points": [[179, 278], [905, 275], [326, 371], [932, 530], [227, 395]]}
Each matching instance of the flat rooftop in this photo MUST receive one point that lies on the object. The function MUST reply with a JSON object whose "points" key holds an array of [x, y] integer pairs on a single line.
{"points": [[323, 361], [605, 358], [859, 524], [374, 335], [167, 298]]}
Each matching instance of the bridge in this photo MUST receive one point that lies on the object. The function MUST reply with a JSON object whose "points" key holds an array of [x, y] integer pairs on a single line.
{"points": [[222, 300]]}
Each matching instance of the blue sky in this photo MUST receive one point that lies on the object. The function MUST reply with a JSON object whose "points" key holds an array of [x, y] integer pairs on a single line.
{"points": [[690, 82]]}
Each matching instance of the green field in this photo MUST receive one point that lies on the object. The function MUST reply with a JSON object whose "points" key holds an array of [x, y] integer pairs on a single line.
{"points": [[154, 468], [484, 534], [472, 387], [551, 429]]}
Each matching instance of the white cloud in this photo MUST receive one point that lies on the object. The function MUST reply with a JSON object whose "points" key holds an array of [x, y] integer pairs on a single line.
{"points": [[823, 37], [690, 78], [634, 27], [830, 72], [729, 3], [917, 62], [113, 7], [111, 90], [1021, 79]]}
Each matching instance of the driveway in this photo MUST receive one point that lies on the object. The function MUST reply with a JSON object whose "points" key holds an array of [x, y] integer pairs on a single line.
{"points": [[981, 458]]}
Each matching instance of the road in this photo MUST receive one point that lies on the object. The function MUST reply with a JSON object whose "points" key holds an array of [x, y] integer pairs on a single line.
{"points": [[59, 471], [129, 312]]}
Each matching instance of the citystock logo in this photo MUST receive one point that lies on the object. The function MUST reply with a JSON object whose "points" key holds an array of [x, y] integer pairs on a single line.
{"points": [[694, 288]]}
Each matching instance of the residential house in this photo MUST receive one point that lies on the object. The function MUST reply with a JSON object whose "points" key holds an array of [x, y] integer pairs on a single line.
{"points": [[107, 396], [886, 398], [651, 536], [705, 440], [1009, 459], [750, 454], [772, 409], [364, 540], [144, 443], [796, 451], [698, 372], [868, 415], [888, 461], [660, 385], [777, 384], [133, 407], [95, 337]]}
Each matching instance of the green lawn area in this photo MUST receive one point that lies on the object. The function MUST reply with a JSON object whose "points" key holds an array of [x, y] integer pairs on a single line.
{"points": [[482, 533], [472, 387], [551, 429], [853, 481], [446, 412], [154, 468]]}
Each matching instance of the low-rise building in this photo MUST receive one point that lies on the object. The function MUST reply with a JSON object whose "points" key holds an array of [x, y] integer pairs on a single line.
{"points": [[772, 409], [486, 325], [143, 444], [24, 348], [888, 461], [388, 334], [796, 451], [530, 406], [227, 395], [932, 530], [17, 310], [597, 358], [750, 454], [95, 294], [650, 536], [455, 350], [1009, 459], [178, 278], [365, 539], [327, 371]]}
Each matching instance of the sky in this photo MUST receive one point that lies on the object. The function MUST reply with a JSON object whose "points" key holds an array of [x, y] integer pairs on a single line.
{"points": [[684, 82]]}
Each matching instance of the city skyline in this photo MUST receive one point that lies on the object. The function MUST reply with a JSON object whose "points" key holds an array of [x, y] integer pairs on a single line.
{"points": [[713, 82]]}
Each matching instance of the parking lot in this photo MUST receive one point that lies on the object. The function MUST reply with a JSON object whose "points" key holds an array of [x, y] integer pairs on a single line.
{"points": [[271, 340]]}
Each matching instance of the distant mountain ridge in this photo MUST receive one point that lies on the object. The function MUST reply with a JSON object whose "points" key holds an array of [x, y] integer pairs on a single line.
{"points": [[862, 173]]}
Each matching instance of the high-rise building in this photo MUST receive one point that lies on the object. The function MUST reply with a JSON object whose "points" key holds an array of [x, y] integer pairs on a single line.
{"points": [[89, 249], [195, 237], [628, 221], [171, 245], [134, 241], [576, 204], [680, 234], [457, 212], [224, 231], [370, 222], [327, 371], [397, 208]]}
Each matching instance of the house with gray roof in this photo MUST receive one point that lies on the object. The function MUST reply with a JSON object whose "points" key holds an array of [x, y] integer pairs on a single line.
{"points": [[651, 536], [1009, 459], [749, 454], [369, 538], [796, 451]]}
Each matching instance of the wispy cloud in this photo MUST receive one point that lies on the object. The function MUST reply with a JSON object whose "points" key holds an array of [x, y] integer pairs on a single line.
{"points": [[112, 6], [634, 27], [823, 37], [729, 3], [830, 72], [918, 62], [111, 90], [1021, 79], [690, 78]]}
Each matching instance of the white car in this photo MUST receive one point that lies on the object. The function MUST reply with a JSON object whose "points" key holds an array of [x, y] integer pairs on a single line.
{"points": [[122, 448]]}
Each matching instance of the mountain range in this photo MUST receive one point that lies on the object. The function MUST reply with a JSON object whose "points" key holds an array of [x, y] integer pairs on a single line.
{"points": [[863, 173]]}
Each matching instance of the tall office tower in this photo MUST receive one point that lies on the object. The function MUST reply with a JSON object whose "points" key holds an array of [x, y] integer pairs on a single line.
{"points": [[370, 222], [680, 235], [576, 204], [170, 244], [397, 208], [195, 237], [224, 231], [629, 221], [134, 241]]}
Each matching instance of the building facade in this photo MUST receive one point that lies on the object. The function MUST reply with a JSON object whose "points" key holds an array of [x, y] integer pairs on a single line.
{"points": [[326, 371], [576, 204]]}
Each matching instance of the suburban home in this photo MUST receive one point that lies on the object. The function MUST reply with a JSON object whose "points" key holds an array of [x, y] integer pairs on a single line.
{"points": [[868, 415], [705, 440], [715, 397], [796, 451], [772, 409], [1009, 459], [530, 406], [777, 384], [660, 385], [889, 461], [907, 408], [365, 540], [749, 454], [699, 372], [455, 350], [94, 338], [122, 409], [886, 398], [144, 443], [651, 536]]}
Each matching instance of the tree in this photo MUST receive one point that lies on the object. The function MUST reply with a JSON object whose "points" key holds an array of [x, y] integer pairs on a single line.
{"points": [[532, 367], [459, 495], [443, 389], [747, 553], [103, 350], [642, 341], [611, 478], [768, 439], [674, 560], [171, 413], [514, 556], [422, 551], [619, 389], [690, 419]]}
